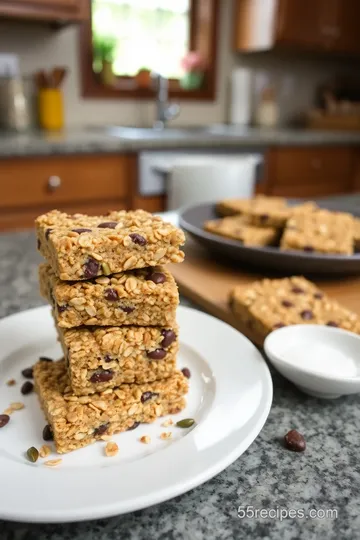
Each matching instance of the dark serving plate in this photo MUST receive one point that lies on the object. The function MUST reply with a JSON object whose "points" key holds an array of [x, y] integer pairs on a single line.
{"points": [[269, 258]]}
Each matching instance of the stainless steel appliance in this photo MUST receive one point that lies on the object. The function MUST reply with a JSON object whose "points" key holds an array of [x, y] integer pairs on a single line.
{"points": [[17, 103]]}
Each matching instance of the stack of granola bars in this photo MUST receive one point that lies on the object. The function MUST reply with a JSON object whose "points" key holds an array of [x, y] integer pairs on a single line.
{"points": [[114, 307]]}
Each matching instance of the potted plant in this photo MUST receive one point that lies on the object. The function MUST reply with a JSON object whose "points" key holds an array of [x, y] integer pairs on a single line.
{"points": [[143, 78], [104, 52], [193, 66]]}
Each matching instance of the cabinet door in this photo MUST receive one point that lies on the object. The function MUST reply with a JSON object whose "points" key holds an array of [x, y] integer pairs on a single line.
{"points": [[306, 23], [347, 39], [53, 10]]}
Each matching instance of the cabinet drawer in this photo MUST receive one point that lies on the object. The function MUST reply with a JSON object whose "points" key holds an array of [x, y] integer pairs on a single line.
{"points": [[309, 165], [311, 191], [60, 180]]}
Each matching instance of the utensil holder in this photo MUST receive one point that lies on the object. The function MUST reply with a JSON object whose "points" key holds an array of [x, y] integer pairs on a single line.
{"points": [[51, 109]]}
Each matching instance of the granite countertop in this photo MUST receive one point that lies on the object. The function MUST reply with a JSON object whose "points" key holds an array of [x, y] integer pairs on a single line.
{"points": [[326, 476], [89, 140]]}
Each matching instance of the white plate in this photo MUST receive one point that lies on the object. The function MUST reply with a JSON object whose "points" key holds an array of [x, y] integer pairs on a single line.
{"points": [[230, 398]]}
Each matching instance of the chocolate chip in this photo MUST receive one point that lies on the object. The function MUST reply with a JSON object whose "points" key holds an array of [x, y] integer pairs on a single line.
{"points": [[169, 337], [186, 372], [45, 359], [157, 354], [156, 277], [47, 433], [148, 395], [107, 358], [138, 239], [61, 309], [103, 375], [91, 268], [107, 225], [308, 248], [134, 426], [38, 244], [264, 218], [27, 388], [295, 441], [111, 295], [47, 232], [318, 295], [287, 303], [4, 419], [127, 309], [278, 325], [27, 373], [101, 430], [332, 323], [307, 314], [79, 231], [297, 290]]}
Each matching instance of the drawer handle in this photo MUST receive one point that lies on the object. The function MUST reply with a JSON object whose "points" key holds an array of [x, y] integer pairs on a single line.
{"points": [[54, 183], [316, 164]]}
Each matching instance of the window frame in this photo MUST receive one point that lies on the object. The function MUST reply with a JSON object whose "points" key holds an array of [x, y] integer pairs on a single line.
{"points": [[204, 25]]}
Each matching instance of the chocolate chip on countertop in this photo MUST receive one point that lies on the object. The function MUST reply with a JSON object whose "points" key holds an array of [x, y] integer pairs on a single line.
{"points": [[47, 433], [307, 314], [127, 309], [91, 268], [169, 337], [156, 277], [297, 290], [278, 325], [102, 376], [332, 323], [138, 239], [45, 359], [4, 419], [318, 295], [134, 426], [79, 231], [295, 441], [148, 395], [27, 373], [107, 225], [61, 309], [186, 372], [27, 388], [308, 248], [287, 303], [101, 430], [47, 232], [157, 354], [111, 295]]}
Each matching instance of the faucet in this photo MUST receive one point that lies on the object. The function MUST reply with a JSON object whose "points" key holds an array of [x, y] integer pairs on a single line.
{"points": [[164, 110]]}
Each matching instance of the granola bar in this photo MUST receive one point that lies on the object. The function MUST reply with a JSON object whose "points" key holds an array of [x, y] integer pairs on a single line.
{"points": [[230, 207], [261, 216], [146, 297], [357, 234], [238, 228], [79, 421], [98, 358], [273, 303], [321, 231], [83, 247]]}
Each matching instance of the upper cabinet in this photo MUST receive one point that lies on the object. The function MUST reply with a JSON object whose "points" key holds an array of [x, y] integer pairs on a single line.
{"points": [[314, 25], [45, 10]]}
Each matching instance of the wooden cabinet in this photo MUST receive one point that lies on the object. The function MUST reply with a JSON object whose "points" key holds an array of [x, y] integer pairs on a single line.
{"points": [[89, 184], [314, 25], [47, 10], [310, 172]]}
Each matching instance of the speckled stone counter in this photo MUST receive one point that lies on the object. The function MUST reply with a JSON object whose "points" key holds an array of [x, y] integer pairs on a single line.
{"points": [[326, 476], [89, 140]]}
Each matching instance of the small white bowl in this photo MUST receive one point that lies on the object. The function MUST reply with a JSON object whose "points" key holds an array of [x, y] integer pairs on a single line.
{"points": [[322, 361]]}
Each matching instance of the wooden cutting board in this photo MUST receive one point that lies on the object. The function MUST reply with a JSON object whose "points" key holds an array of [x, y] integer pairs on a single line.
{"points": [[207, 282]]}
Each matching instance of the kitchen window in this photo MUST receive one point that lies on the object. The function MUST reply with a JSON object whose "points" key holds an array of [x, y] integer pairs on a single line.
{"points": [[148, 35]]}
